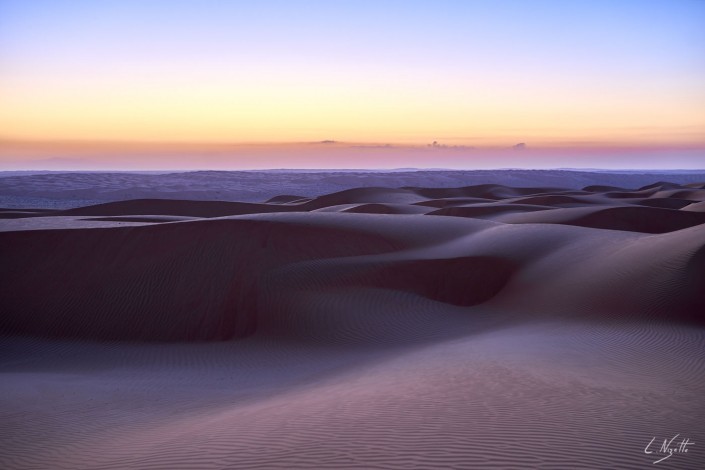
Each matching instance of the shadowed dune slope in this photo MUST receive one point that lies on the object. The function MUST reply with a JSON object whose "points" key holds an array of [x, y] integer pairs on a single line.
{"points": [[194, 279], [689, 194], [464, 281], [141, 218], [656, 208], [215, 279], [565, 199], [173, 207], [285, 199], [387, 209], [363, 195], [633, 219], [486, 191], [181, 281], [695, 207], [452, 201], [20, 213], [538, 328], [487, 210], [664, 202]]}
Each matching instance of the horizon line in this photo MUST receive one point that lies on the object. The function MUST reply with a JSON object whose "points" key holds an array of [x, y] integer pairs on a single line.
{"points": [[438, 143], [371, 170]]}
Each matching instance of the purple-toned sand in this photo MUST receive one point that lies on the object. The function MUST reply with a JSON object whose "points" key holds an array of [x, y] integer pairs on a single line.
{"points": [[483, 326]]}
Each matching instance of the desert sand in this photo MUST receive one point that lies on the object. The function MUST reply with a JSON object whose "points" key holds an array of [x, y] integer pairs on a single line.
{"points": [[484, 326], [63, 190]]}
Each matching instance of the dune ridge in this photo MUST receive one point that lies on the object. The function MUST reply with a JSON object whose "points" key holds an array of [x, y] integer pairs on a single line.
{"points": [[124, 282], [482, 326]]}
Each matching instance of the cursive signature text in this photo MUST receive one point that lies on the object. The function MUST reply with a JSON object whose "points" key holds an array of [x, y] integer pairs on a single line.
{"points": [[669, 447]]}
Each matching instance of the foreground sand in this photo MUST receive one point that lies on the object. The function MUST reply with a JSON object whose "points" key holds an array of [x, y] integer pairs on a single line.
{"points": [[477, 327]]}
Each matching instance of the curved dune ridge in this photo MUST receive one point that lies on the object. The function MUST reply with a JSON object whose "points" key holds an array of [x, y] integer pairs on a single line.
{"points": [[188, 272], [594, 206], [476, 327]]}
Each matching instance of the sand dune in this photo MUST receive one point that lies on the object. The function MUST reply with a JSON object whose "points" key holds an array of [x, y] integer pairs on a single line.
{"points": [[634, 219], [173, 207], [560, 200], [22, 213], [663, 202], [387, 209], [452, 201], [695, 207], [286, 199], [487, 210], [474, 327], [71, 190]]}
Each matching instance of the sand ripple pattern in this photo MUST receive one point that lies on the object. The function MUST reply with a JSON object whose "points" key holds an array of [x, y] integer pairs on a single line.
{"points": [[481, 326]]}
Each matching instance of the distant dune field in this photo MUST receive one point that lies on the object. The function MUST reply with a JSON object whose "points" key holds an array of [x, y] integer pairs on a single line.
{"points": [[63, 190], [483, 326]]}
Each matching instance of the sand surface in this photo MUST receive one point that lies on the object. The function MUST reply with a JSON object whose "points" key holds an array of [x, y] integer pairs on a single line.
{"points": [[62, 190], [484, 326]]}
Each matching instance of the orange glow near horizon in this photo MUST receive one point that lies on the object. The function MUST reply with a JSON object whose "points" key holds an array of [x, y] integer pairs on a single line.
{"points": [[101, 155], [281, 111], [150, 78]]}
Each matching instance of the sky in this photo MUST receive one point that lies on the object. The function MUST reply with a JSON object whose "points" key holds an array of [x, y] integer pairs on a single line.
{"points": [[156, 84]]}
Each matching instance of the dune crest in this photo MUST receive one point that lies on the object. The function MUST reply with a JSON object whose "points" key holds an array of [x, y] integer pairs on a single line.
{"points": [[473, 327]]}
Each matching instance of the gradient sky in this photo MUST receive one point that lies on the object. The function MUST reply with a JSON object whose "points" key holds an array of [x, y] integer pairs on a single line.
{"points": [[585, 77]]}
